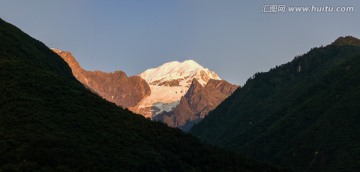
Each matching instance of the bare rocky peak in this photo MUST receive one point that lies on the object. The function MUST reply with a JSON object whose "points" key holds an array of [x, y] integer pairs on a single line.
{"points": [[69, 58], [197, 103], [115, 87]]}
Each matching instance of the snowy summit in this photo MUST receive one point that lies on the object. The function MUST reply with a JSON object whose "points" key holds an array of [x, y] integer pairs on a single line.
{"points": [[178, 74]]}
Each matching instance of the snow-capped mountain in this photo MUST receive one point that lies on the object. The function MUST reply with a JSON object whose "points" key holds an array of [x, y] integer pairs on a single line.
{"points": [[155, 91], [168, 83], [178, 74]]}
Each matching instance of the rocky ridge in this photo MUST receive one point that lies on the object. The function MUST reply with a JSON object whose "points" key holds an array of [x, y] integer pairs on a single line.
{"points": [[115, 87]]}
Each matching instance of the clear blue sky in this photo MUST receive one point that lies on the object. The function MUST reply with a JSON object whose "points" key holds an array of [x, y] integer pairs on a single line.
{"points": [[232, 37]]}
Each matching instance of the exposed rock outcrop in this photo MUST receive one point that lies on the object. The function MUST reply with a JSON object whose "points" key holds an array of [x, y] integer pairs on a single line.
{"points": [[115, 87], [197, 103]]}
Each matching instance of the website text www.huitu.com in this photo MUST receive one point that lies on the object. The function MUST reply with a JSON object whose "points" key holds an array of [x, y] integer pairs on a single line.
{"points": [[274, 8]]}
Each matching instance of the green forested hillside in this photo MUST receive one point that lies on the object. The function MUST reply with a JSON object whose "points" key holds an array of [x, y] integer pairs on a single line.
{"points": [[50, 122], [304, 114]]}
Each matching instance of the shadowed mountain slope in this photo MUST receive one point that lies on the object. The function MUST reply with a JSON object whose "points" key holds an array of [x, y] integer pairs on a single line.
{"points": [[304, 114]]}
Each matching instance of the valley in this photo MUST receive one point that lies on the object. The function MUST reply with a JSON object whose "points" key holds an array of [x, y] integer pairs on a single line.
{"points": [[179, 86]]}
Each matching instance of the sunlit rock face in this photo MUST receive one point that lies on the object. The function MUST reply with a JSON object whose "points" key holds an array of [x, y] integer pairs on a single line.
{"points": [[115, 87], [197, 103]]}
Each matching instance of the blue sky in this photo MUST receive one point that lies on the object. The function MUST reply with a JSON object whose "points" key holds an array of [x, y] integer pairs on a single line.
{"points": [[231, 37]]}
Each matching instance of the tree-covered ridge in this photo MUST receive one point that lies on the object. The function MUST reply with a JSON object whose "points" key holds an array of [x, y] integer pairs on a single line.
{"points": [[303, 114], [50, 122], [346, 41]]}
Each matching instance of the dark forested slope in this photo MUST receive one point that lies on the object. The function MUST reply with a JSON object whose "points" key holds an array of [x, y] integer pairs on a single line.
{"points": [[304, 114]]}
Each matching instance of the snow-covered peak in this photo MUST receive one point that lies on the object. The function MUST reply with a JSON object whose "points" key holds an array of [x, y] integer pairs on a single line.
{"points": [[192, 63], [178, 74]]}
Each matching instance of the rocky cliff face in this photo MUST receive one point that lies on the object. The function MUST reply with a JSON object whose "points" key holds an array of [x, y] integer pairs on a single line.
{"points": [[197, 103], [115, 87]]}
